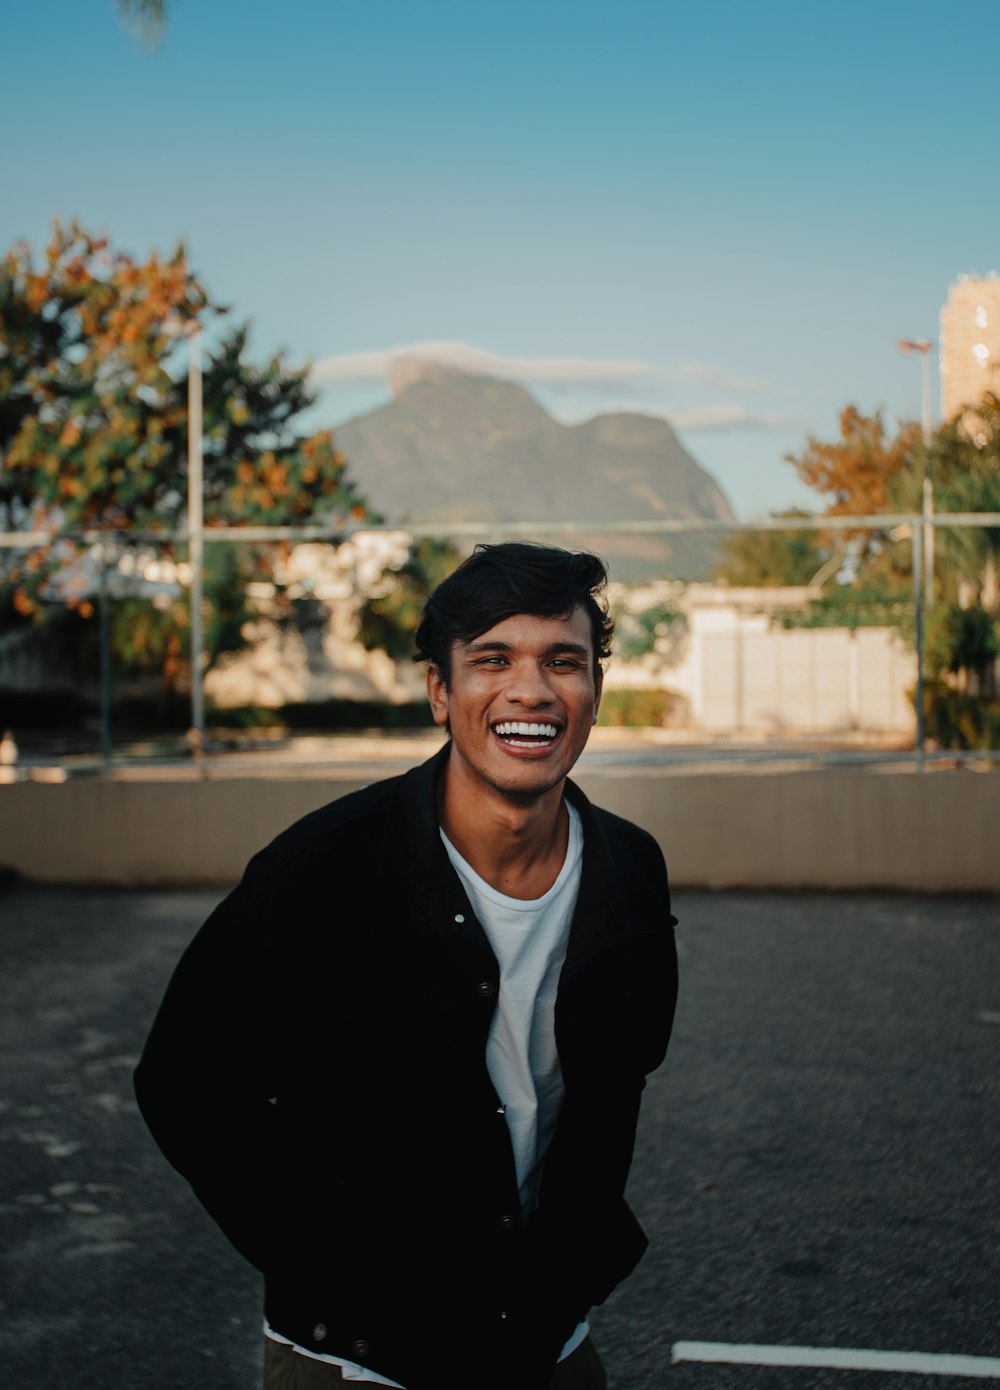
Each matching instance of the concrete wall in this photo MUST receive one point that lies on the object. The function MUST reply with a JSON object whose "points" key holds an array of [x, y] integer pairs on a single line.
{"points": [[831, 830], [803, 679], [834, 830]]}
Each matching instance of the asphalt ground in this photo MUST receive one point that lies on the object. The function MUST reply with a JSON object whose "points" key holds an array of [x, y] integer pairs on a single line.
{"points": [[643, 752], [817, 1163]]}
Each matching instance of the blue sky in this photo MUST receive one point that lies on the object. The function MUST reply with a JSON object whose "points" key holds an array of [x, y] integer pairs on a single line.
{"points": [[723, 213]]}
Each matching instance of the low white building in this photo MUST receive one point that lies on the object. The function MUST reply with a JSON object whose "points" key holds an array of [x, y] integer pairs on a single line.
{"points": [[738, 670]]}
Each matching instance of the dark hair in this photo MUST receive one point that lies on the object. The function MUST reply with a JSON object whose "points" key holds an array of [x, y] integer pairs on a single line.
{"points": [[499, 581]]}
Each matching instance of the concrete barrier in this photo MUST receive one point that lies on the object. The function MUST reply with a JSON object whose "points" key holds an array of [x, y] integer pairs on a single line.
{"points": [[934, 832]]}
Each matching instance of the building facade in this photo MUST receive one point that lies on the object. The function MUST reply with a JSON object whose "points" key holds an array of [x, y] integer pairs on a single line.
{"points": [[970, 346]]}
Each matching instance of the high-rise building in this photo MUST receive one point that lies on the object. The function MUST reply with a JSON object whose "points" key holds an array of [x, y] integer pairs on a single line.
{"points": [[970, 345]]}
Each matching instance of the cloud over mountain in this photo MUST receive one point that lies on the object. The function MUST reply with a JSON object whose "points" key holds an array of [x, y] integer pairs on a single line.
{"points": [[729, 416], [416, 360]]}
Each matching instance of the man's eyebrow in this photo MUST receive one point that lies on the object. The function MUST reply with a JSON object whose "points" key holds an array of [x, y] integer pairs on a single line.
{"points": [[577, 648], [488, 647]]}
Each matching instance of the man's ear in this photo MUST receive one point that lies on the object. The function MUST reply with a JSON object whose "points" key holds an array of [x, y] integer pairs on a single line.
{"points": [[437, 694], [598, 692]]}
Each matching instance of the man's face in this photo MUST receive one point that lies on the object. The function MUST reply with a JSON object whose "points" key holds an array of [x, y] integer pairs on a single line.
{"points": [[521, 701]]}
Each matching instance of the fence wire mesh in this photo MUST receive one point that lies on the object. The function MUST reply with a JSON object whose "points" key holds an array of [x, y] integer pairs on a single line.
{"points": [[309, 629]]}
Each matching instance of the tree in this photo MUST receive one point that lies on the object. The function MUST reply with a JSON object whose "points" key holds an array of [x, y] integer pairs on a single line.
{"points": [[147, 18], [390, 616], [93, 430], [855, 471], [772, 558], [870, 602], [961, 709], [868, 471], [966, 478], [962, 641], [862, 473], [86, 402]]}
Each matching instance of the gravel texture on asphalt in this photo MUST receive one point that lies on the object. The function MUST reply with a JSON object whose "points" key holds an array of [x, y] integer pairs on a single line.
{"points": [[817, 1162]]}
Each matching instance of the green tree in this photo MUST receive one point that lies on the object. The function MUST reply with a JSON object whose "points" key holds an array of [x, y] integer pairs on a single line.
{"points": [[966, 478], [389, 617], [961, 708], [963, 631], [756, 558], [964, 642], [866, 603], [637, 633]]}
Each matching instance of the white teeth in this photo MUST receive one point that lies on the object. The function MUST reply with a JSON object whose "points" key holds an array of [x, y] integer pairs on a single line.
{"points": [[519, 726]]}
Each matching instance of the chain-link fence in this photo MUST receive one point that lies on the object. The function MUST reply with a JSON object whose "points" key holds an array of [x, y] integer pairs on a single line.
{"points": [[310, 628]]}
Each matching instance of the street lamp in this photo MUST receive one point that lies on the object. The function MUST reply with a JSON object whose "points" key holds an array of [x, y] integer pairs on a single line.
{"points": [[925, 348]]}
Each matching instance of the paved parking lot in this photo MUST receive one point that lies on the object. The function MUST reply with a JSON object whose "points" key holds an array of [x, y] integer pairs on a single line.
{"points": [[818, 1161]]}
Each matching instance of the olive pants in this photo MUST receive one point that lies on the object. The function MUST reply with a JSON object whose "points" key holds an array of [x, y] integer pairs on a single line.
{"points": [[285, 1369]]}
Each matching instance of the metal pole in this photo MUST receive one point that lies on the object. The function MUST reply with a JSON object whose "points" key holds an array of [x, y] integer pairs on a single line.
{"points": [[928, 496], [925, 384], [196, 549], [925, 574], [918, 642], [104, 621]]}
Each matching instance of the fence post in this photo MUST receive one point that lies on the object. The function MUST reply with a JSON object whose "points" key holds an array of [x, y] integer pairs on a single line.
{"points": [[196, 543], [103, 603], [918, 638]]}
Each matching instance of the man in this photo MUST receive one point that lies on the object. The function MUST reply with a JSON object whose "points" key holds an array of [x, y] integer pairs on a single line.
{"points": [[401, 1063]]}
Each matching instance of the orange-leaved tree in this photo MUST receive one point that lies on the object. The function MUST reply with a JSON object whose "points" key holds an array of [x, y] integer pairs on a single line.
{"points": [[93, 433], [854, 471]]}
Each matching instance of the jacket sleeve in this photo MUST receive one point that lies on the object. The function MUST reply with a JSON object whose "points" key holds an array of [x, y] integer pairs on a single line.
{"points": [[204, 1085]]}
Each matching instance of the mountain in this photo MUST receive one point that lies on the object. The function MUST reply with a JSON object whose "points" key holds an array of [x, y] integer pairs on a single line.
{"points": [[455, 447]]}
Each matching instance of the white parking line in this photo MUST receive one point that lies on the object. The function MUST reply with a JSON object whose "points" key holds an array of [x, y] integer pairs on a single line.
{"points": [[840, 1358]]}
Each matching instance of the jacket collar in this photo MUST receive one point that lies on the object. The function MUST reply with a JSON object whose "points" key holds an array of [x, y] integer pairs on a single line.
{"points": [[614, 901]]}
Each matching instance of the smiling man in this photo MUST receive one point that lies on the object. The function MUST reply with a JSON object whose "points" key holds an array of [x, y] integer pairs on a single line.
{"points": [[401, 1063]]}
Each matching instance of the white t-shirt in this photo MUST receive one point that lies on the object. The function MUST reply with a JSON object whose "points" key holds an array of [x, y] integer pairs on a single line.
{"points": [[529, 939]]}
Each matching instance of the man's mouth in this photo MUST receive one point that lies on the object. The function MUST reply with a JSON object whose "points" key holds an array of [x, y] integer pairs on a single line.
{"points": [[519, 733]]}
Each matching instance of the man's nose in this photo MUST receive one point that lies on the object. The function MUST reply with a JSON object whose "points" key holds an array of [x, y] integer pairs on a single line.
{"points": [[529, 685]]}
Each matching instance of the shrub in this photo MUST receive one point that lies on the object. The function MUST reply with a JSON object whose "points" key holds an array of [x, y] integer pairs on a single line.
{"points": [[639, 709], [956, 719]]}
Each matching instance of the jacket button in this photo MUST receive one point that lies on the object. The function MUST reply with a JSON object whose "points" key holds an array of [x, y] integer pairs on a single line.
{"points": [[507, 1222], [319, 1332], [360, 1348], [487, 990]]}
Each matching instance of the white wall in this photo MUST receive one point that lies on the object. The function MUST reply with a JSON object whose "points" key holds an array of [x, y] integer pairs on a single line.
{"points": [[807, 680]]}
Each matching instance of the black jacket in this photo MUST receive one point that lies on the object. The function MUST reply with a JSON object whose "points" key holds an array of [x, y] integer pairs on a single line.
{"points": [[317, 1071]]}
